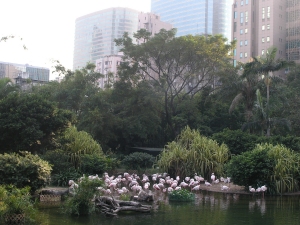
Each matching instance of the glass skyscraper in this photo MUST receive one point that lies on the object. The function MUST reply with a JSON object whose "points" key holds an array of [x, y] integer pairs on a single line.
{"points": [[196, 16], [95, 33]]}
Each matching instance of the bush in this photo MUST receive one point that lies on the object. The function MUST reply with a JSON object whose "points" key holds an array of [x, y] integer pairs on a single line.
{"points": [[274, 166], [62, 178], [23, 170], [138, 160], [182, 195], [192, 153], [236, 140], [81, 203], [58, 159], [93, 164], [16, 201], [239, 141]]}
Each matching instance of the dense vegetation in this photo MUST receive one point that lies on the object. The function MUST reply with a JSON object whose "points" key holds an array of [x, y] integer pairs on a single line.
{"points": [[177, 93]]}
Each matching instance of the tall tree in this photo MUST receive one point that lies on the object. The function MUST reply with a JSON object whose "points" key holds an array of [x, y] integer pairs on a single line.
{"points": [[265, 66], [29, 122], [176, 66]]}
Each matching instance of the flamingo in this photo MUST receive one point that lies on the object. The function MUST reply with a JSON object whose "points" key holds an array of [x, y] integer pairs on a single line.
{"points": [[251, 189], [212, 177], [196, 188], [224, 188], [207, 183]]}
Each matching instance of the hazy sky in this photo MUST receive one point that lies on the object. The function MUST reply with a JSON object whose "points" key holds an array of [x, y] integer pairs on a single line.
{"points": [[47, 28]]}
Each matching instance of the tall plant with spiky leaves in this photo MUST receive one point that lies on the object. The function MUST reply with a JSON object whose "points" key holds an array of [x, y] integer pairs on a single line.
{"points": [[192, 153]]}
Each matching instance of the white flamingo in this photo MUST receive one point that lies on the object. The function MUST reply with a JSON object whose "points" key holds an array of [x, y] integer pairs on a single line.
{"points": [[212, 177]]}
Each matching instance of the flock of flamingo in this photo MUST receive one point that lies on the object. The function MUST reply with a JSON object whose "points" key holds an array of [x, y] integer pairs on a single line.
{"points": [[160, 182]]}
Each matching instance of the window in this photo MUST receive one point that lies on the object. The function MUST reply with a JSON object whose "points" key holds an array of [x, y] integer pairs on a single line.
{"points": [[268, 39], [234, 52], [235, 14], [268, 26], [242, 17], [263, 12], [242, 2], [246, 30], [241, 31], [269, 12], [246, 54], [263, 27], [241, 43], [234, 27], [246, 17], [246, 2], [246, 42], [262, 52], [234, 63], [241, 55], [263, 40]]}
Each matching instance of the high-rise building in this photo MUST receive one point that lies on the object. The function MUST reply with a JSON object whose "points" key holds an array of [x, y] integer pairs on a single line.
{"points": [[24, 72], [195, 16], [292, 30], [95, 33], [152, 23], [258, 25]]}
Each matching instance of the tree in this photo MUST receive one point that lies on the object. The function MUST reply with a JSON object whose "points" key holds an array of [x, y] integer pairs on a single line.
{"points": [[29, 122], [265, 66], [176, 66], [262, 120], [6, 87]]}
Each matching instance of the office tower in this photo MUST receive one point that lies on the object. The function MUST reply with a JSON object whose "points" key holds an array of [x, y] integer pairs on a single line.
{"points": [[258, 25], [195, 16], [293, 30], [22, 73], [95, 33]]}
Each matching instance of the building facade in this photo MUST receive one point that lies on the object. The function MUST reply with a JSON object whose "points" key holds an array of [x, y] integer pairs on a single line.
{"points": [[95, 33], [152, 23], [258, 25], [195, 16], [108, 67], [293, 30], [20, 73]]}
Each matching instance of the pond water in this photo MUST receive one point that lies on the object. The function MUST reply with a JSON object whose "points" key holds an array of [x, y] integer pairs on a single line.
{"points": [[208, 208]]}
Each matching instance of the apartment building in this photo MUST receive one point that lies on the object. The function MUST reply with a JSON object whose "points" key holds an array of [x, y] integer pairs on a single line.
{"points": [[258, 25]]}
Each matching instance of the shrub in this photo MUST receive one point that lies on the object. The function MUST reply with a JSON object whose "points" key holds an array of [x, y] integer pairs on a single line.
{"points": [[239, 141], [192, 153], [182, 195], [62, 178], [93, 164], [16, 201], [58, 159], [236, 140], [274, 166], [138, 160], [23, 170], [81, 203]]}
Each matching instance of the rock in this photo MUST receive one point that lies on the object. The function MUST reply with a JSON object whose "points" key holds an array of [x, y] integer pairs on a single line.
{"points": [[144, 196]]}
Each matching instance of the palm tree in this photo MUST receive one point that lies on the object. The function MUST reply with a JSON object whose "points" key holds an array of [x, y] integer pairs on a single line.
{"points": [[267, 64], [6, 86], [262, 119], [246, 86]]}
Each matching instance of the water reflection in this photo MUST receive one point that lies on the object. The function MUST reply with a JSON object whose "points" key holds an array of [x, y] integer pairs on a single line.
{"points": [[208, 208]]}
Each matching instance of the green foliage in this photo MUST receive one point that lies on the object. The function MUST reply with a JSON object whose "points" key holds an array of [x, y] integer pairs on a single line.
{"points": [[59, 160], [236, 140], [97, 164], [29, 122], [192, 153], [274, 166], [182, 195], [62, 177], [239, 141], [24, 169], [16, 201], [138, 160], [77, 143], [81, 203]]}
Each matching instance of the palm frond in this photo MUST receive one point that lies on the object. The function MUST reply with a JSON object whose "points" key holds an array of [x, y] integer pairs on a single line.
{"points": [[237, 99]]}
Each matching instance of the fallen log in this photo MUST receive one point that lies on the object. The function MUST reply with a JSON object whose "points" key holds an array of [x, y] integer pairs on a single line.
{"points": [[110, 206]]}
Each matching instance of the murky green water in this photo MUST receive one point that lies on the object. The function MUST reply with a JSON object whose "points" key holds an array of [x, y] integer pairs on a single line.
{"points": [[208, 208]]}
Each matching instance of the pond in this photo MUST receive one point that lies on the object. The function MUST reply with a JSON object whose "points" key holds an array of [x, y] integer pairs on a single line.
{"points": [[208, 208]]}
